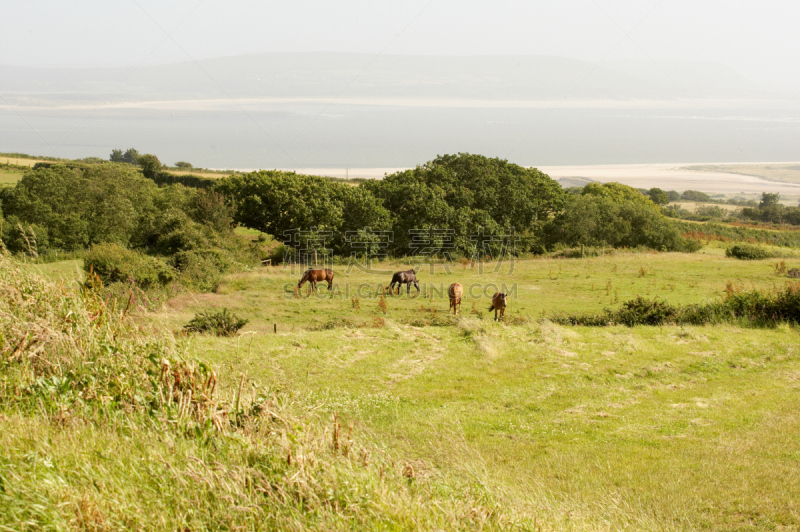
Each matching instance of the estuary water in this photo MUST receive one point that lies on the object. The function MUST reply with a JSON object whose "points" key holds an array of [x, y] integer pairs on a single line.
{"points": [[297, 134]]}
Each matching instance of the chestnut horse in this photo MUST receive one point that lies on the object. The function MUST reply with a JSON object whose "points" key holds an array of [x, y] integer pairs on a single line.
{"points": [[407, 277], [499, 303], [455, 292], [315, 276]]}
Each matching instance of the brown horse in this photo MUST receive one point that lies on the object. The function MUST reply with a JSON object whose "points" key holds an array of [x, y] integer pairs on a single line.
{"points": [[315, 276], [499, 303], [407, 277], [455, 292]]}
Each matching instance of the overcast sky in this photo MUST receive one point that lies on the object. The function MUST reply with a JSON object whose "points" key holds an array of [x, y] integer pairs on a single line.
{"points": [[758, 39]]}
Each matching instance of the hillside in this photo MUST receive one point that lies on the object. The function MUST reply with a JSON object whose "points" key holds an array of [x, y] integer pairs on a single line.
{"points": [[363, 76]]}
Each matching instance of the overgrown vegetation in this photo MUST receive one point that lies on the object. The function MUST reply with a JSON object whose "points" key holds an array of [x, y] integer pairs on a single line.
{"points": [[138, 232], [753, 307]]}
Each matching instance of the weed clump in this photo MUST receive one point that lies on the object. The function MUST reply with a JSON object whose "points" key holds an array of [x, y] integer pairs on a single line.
{"points": [[794, 273], [222, 323]]}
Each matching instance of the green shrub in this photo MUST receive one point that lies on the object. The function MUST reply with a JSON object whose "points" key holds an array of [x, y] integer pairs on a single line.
{"points": [[641, 311], [113, 263], [201, 269], [748, 252], [222, 323]]}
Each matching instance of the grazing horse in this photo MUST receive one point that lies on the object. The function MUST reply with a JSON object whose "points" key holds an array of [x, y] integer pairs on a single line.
{"points": [[455, 292], [315, 276], [407, 277], [499, 303]]}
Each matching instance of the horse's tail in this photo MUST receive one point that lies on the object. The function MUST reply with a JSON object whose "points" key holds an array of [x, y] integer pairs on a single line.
{"points": [[491, 308]]}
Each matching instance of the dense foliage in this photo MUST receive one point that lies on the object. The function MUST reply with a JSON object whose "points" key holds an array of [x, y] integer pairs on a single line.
{"points": [[615, 215], [469, 194], [124, 217], [450, 204], [770, 210]]}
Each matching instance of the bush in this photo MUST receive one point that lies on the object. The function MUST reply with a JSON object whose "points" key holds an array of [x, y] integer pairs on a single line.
{"points": [[641, 311], [748, 252], [753, 307], [222, 323], [201, 269], [113, 263]]}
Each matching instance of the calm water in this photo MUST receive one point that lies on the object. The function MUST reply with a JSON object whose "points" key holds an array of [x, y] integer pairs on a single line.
{"points": [[371, 136]]}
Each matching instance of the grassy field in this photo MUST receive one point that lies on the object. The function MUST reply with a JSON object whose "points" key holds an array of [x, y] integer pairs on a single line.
{"points": [[9, 176], [649, 428]]}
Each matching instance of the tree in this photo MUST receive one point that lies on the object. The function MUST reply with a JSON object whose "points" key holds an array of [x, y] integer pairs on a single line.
{"points": [[150, 165], [131, 156], [597, 220], [462, 192], [658, 196], [116, 156], [674, 195], [769, 200], [183, 165], [695, 195], [275, 201]]}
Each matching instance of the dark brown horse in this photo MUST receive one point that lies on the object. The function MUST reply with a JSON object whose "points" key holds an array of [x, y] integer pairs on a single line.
{"points": [[315, 276], [499, 303], [407, 278]]}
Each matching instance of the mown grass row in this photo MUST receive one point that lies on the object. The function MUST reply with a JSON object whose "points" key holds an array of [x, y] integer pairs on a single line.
{"points": [[107, 422]]}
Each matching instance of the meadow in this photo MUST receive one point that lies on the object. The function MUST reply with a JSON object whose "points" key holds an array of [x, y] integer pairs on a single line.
{"points": [[566, 428]]}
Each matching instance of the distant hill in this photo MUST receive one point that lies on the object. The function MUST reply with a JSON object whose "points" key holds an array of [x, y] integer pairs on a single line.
{"points": [[324, 75]]}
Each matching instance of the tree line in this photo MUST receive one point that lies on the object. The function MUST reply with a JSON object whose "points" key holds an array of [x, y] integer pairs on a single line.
{"points": [[70, 208]]}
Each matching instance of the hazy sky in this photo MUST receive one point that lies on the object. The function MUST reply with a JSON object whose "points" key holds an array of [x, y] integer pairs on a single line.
{"points": [[759, 39]]}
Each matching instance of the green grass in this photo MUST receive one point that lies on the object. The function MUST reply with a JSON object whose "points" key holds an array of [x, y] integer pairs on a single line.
{"points": [[108, 423], [532, 424], [9, 176], [649, 428]]}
